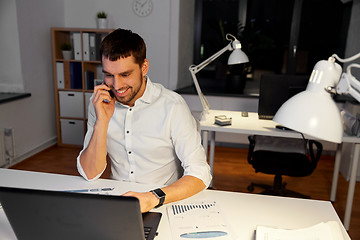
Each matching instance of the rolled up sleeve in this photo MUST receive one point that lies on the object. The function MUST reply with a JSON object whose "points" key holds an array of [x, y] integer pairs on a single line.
{"points": [[187, 143]]}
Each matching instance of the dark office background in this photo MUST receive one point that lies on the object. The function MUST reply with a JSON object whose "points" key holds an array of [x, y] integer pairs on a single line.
{"points": [[279, 36]]}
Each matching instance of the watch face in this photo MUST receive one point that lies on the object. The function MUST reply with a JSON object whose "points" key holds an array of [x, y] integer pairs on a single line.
{"points": [[142, 8], [159, 193]]}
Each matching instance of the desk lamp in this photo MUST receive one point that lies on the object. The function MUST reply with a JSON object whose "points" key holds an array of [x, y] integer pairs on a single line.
{"points": [[313, 111], [236, 57]]}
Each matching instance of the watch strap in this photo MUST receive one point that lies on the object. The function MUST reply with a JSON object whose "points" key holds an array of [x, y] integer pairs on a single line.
{"points": [[160, 195]]}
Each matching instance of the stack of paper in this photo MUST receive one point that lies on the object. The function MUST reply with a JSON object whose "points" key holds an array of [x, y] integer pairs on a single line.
{"points": [[198, 220], [322, 231]]}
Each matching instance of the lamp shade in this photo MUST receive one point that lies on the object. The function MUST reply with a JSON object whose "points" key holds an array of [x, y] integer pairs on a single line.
{"points": [[313, 111], [237, 56]]}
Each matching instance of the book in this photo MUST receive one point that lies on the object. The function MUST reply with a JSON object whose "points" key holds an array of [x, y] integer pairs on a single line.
{"points": [[322, 231], [75, 75]]}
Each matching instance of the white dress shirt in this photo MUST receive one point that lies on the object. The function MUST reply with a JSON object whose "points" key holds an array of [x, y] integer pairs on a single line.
{"points": [[155, 141]]}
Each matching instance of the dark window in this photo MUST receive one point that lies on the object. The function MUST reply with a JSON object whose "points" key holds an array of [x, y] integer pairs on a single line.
{"points": [[279, 37]]}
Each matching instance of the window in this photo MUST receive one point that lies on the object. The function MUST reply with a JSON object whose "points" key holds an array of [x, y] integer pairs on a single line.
{"points": [[279, 36]]}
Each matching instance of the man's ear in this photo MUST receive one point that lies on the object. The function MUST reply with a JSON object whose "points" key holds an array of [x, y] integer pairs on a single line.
{"points": [[145, 67]]}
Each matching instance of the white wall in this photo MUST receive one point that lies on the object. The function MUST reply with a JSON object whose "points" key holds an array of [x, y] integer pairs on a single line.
{"points": [[33, 118], [10, 81]]}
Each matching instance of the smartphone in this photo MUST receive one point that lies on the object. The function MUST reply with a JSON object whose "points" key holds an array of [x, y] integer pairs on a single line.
{"points": [[110, 92]]}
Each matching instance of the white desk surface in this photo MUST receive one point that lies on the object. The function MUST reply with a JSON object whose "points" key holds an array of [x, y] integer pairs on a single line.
{"points": [[252, 125], [243, 211]]}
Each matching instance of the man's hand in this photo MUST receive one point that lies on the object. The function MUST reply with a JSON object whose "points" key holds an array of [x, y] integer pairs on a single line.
{"points": [[183, 188], [147, 200], [104, 110]]}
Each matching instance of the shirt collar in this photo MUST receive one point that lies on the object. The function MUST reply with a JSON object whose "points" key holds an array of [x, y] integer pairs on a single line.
{"points": [[146, 97], [150, 93]]}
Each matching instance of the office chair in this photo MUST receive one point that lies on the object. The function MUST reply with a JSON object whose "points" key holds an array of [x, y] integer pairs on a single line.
{"points": [[282, 156]]}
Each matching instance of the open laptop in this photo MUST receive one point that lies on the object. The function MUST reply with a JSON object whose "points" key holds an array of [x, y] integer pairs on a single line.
{"points": [[275, 89], [40, 214]]}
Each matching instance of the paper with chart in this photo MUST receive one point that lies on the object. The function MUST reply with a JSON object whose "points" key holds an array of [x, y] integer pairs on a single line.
{"points": [[202, 220]]}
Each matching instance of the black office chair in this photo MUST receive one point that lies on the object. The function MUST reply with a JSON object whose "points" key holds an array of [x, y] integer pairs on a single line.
{"points": [[282, 156]]}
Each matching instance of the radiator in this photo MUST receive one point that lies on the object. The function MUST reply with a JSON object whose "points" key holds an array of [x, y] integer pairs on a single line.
{"points": [[2, 147]]}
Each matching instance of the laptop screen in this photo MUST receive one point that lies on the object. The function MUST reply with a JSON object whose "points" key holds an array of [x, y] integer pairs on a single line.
{"points": [[275, 89]]}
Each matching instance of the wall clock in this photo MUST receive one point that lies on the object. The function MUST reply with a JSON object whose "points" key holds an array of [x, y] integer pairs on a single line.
{"points": [[142, 8]]}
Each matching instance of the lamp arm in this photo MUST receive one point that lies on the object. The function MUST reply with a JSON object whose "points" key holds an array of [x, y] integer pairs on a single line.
{"points": [[350, 59], [195, 69], [203, 100], [348, 84]]}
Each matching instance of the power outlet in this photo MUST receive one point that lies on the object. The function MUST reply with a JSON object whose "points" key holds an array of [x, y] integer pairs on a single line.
{"points": [[9, 142]]}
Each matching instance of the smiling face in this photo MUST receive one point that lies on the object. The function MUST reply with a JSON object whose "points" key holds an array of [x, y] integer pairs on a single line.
{"points": [[126, 78]]}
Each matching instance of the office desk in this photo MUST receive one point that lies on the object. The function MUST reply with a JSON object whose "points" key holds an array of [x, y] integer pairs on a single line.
{"points": [[252, 125], [243, 211]]}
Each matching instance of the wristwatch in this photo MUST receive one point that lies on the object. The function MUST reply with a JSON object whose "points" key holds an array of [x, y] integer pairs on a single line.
{"points": [[160, 195]]}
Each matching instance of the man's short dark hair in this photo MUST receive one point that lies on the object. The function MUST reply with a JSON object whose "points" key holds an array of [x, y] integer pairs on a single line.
{"points": [[123, 43]]}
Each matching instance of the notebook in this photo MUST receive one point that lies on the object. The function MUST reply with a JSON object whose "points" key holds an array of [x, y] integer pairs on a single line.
{"points": [[275, 89], [40, 214]]}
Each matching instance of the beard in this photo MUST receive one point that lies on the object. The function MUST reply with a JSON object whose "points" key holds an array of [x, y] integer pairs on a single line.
{"points": [[133, 93]]}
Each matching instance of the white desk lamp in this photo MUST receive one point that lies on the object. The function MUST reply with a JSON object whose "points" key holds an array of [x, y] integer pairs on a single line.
{"points": [[236, 57], [313, 111]]}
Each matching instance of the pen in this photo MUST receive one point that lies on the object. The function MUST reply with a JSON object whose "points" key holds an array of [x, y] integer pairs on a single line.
{"points": [[106, 189], [204, 234]]}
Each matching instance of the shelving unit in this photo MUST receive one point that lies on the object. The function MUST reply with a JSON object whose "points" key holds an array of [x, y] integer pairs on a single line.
{"points": [[74, 79]]}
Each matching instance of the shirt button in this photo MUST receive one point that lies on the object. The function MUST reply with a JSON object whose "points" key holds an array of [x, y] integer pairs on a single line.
{"points": [[129, 152], [132, 172], [130, 109], [127, 131]]}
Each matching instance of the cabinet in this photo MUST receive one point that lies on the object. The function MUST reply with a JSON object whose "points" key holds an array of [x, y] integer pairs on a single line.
{"points": [[74, 79]]}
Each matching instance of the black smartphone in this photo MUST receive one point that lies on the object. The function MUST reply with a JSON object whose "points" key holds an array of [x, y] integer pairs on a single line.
{"points": [[111, 94]]}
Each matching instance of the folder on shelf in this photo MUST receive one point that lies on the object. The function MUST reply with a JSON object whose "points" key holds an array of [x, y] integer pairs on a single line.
{"points": [[98, 39], [86, 50], [77, 45], [92, 46], [75, 75], [60, 75]]}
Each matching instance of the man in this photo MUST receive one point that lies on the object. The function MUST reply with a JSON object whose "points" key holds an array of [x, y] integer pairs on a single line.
{"points": [[147, 131]]}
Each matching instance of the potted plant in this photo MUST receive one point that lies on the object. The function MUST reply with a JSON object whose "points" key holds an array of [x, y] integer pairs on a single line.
{"points": [[66, 50], [102, 20]]}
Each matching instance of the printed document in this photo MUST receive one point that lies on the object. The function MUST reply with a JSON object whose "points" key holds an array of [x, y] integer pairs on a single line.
{"points": [[321, 231], [203, 220]]}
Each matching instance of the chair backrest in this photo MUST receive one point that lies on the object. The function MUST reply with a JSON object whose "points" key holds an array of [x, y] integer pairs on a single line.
{"points": [[283, 156]]}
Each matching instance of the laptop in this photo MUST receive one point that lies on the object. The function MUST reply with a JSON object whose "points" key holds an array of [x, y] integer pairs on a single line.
{"points": [[41, 214], [275, 89]]}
